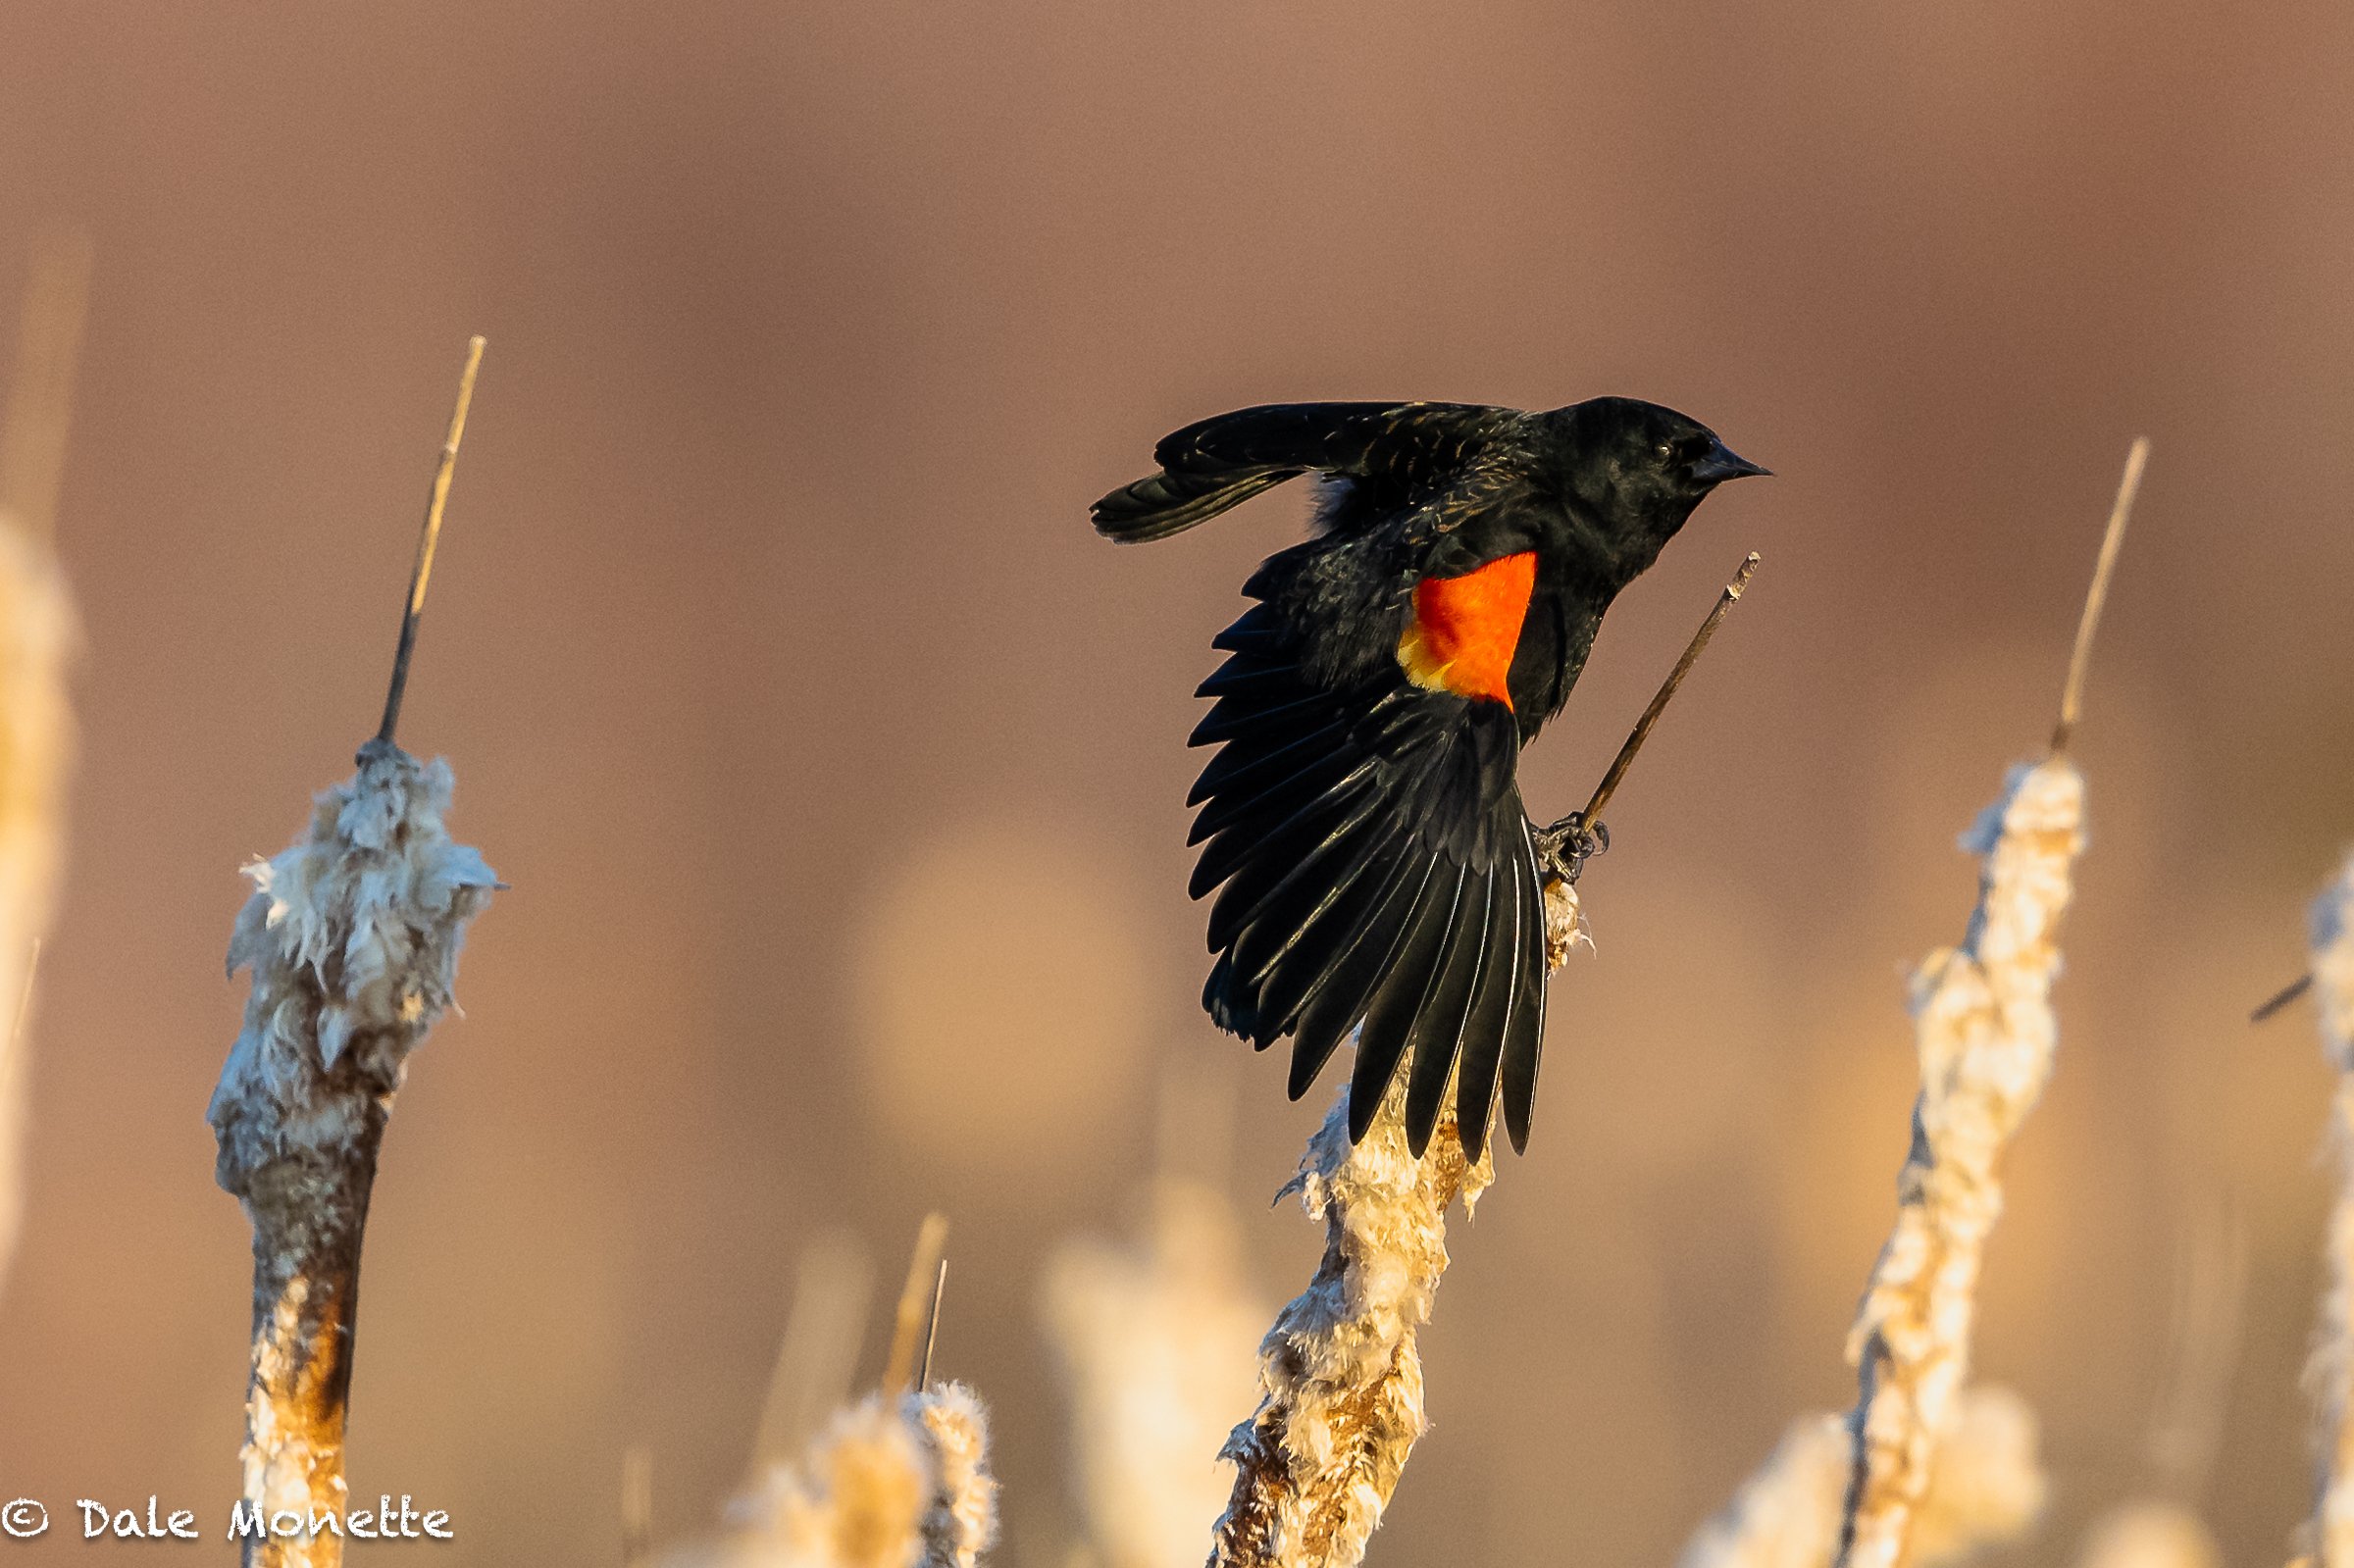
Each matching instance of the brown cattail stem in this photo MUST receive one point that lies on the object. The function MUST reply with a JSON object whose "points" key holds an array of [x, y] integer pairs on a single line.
{"points": [[2113, 538]]}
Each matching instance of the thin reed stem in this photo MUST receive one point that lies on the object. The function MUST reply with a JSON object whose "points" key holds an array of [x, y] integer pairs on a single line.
{"points": [[2096, 598], [908, 1324], [428, 540]]}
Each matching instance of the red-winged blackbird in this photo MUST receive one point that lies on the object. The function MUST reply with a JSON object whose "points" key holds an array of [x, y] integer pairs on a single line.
{"points": [[1363, 820]]}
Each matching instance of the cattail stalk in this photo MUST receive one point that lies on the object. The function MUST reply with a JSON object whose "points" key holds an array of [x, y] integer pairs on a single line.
{"points": [[1340, 1374], [352, 936], [37, 634], [2330, 1375], [1983, 1027], [1926, 1468]]}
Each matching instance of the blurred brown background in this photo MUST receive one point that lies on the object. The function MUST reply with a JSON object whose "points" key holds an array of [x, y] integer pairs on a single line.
{"points": [[837, 766]]}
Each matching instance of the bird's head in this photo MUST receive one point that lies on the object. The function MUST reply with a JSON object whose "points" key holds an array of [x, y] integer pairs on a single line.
{"points": [[1637, 469]]}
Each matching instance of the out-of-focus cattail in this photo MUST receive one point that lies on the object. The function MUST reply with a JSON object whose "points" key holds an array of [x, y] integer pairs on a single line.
{"points": [[352, 936], [2150, 1534], [2162, 1528], [894, 1482], [37, 632], [1154, 1341], [1988, 1489], [1340, 1374], [2330, 1374], [811, 1377]]}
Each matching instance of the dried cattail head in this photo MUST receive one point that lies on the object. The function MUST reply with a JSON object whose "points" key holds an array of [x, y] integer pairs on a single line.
{"points": [[1989, 1485], [354, 936], [37, 636], [2150, 1534], [893, 1483], [1155, 1343], [960, 1518]]}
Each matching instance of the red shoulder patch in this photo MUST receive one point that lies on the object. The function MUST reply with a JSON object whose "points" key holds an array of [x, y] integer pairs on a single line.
{"points": [[1464, 629]]}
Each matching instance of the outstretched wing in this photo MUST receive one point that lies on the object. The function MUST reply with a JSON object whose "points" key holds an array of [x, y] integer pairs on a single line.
{"points": [[1218, 463], [1374, 871]]}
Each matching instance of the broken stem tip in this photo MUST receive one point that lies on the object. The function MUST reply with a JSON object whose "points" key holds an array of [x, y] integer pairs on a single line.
{"points": [[2071, 696], [422, 573], [1658, 702], [898, 1372]]}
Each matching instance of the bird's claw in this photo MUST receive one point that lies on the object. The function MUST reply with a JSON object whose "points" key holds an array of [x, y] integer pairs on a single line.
{"points": [[1563, 848]]}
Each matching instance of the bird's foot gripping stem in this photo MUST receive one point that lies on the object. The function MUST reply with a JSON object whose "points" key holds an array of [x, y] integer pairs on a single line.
{"points": [[1563, 848]]}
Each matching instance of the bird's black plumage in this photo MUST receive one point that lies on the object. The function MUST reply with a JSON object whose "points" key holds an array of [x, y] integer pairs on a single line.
{"points": [[1362, 824]]}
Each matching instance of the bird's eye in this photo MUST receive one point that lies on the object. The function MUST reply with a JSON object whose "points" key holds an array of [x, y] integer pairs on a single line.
{"points": [[1666, 451]]}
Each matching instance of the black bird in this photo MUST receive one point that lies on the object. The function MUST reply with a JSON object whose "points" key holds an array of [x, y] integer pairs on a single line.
{"points": [[1363, 820]]}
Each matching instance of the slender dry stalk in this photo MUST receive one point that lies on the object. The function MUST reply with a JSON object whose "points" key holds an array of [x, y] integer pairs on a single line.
{"points": [[811, 1377], [2202, 1350], [352, 936], [40, 401], [37, 634], [908, 1323], [2330, 1374], [637, 1506]]}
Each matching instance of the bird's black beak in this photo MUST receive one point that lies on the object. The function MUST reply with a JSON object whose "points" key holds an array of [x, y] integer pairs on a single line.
{"points": [[1720, 464]]}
